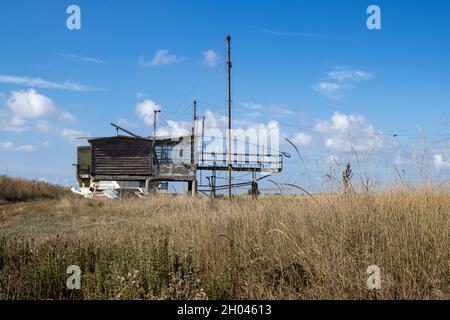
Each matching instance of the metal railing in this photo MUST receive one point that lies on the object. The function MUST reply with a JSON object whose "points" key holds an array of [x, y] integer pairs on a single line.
{"points": [[261, 161]]}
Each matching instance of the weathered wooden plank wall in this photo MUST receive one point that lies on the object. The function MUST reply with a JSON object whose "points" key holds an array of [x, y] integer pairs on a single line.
{"points": [[121, 156]]}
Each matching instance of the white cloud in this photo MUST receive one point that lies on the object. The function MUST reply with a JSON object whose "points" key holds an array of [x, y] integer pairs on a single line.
{"points": [[302, 139], [67, 116], [440, 162], [252, 106], [76, 58], [26, 148], [331, 90], [346, 132], [246, 136], [346, 74], [175, 128], [339, 81], [215, 121], [215, 127], [162, 57], [211, 58], [30, 104], [339, 122], [145, 110], [273, 109], [333, 160], [125, 123], [9, 146], [71, 134], [12, 124], [398, 160], [6, 146], [220, 122], [252, 114], [92, 60], [43, 144], [41, 83], [44, 125]]}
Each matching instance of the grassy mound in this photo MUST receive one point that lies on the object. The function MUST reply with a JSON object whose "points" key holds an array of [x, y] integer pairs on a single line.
{"points": [[18, 190]]}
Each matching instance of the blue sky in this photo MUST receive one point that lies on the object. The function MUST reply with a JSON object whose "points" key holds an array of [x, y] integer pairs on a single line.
{"points": [[331, 84]]}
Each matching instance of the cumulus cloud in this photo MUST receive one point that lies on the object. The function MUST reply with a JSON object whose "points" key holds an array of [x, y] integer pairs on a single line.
{"points": [[339, 81], [175, 128], [146, 111], [125, 123], [302, 139], [331, 90], [26, 148], [71, 134], [211, 58], [6, 146], [41, 83], [333, 160], [44, 144], [12, 124], [440, 162], [162, 57], [246, 136], [9, 146], [398, 160], [345, 133], [30, 104], [273, 109], [44, 125], [67, 116]]}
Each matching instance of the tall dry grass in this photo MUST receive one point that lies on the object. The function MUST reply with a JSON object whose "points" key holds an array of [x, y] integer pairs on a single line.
{"points": [[296, 247], [17, 189]]}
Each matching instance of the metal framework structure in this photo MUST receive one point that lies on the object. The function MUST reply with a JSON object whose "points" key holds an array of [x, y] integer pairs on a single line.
{"points": [[150, 160], [249, 162]]}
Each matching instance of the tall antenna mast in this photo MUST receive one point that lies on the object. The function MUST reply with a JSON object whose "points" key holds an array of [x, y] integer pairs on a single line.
{"points": [[194, 119], [154, 123], [229, 114], [193, 184]]}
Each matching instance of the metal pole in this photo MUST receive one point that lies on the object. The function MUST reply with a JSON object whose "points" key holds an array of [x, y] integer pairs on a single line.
{"points": [[203, 137], [213, 184], [194, 118], [154, 123], [153, 145], [254, 186], [229, 114]]}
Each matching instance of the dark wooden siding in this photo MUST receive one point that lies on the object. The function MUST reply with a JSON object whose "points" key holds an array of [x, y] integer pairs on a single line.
{"points": [[118, 156]]}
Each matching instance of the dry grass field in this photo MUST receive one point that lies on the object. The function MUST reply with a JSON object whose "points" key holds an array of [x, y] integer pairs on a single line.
{"points": [[176, 247], [20, 190]]}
